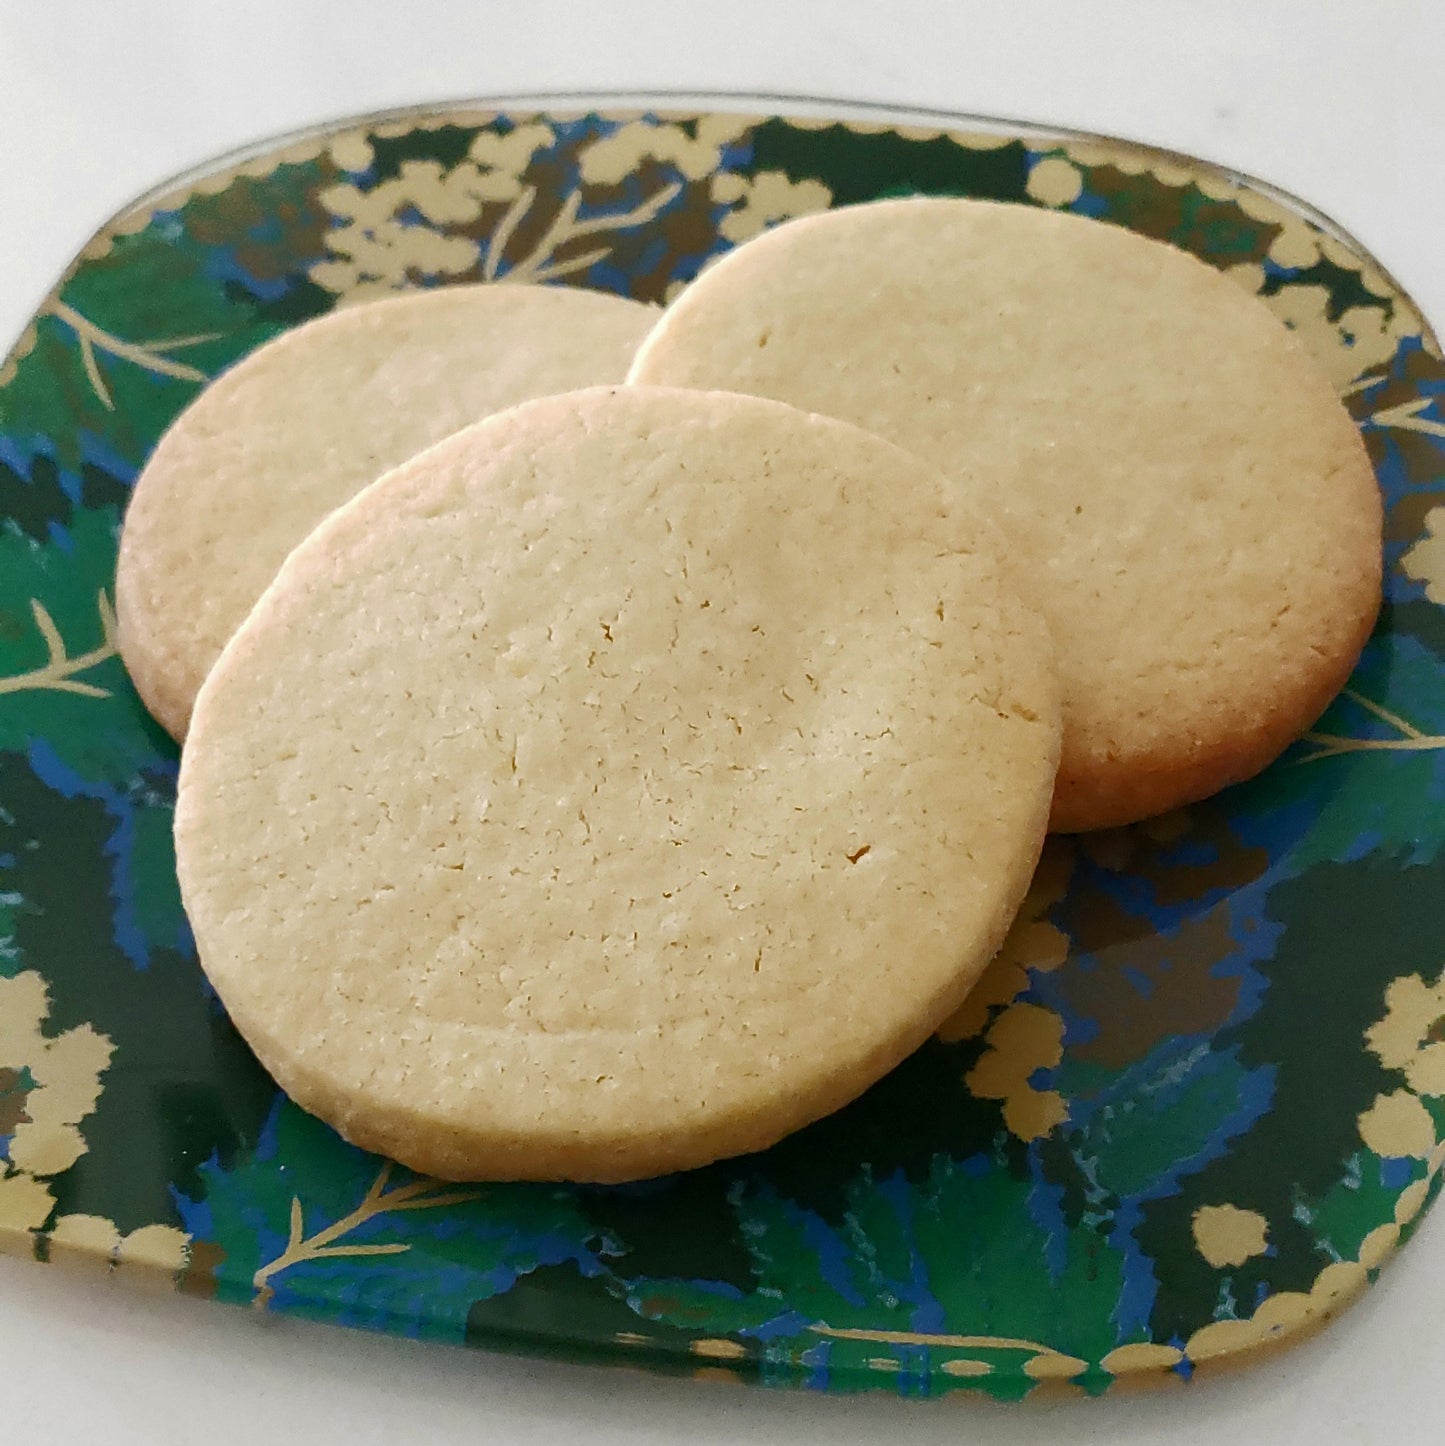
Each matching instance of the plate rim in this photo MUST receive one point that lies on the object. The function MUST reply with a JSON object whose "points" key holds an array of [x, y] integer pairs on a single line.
{"points": [[763, 104]]}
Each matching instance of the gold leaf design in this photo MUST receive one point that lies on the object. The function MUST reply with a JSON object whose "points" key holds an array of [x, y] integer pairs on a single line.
{"points": [[1406, 416], [1410, 739], [58, 674], [150, 356], [419, 1194], [374, 253], [540, 263]]}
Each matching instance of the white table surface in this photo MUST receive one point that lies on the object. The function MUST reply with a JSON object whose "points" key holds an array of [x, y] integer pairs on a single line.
{"points": [[1341, 103]]}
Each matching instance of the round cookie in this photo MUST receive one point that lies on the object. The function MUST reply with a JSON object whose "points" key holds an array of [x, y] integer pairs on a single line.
{"points": [[1185, 497], [305, 422], [579, 802]]}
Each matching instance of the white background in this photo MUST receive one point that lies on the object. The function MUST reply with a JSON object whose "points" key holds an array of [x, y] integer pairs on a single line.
{"points": [[1342, 103]]}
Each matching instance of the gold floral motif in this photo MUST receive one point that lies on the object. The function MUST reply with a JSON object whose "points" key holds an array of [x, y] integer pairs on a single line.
{"points": [[614, 157], [1362, 338], [719, 1349], [25, 1202], [1397, 1124], [1300, 245], [65, 1072], [1023, 1039], [1289, 1312], [374, 253], [1297, 245], [92, 1242], [502, 160], [373, 262], [1226, 1235], [65, 1084], [1042, 1361], [1247, 275], [1411, 1036], [1141, 1356], [1054, 182], [763, 200], [22, 348], [1032, 943], [1425, 562], [351, 151]]}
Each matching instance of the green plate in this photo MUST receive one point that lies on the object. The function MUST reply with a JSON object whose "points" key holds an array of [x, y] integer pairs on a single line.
{"points": [[1192, 1108]]}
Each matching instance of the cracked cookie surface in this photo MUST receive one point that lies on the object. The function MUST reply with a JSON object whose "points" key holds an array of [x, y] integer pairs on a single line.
{"points": [[623, 783]]}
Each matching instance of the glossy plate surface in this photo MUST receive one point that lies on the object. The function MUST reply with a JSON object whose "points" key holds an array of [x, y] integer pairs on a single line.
{"points": [[1191, 1109]]}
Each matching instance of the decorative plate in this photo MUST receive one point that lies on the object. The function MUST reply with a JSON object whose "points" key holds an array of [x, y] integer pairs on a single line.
{"points": [[1192, 1108]]}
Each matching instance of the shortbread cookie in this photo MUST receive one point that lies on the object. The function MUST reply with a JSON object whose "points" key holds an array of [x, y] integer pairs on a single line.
{"points": [[1186, 499], [621, 784], [302, 424]]}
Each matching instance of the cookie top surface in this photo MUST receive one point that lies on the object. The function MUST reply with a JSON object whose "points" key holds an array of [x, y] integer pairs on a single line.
{"points": [[1184, 496], [621, 784], [305, 422]]}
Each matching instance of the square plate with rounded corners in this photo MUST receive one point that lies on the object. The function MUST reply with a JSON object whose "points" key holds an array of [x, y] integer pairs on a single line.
{"points": [[1190, 1110]]}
